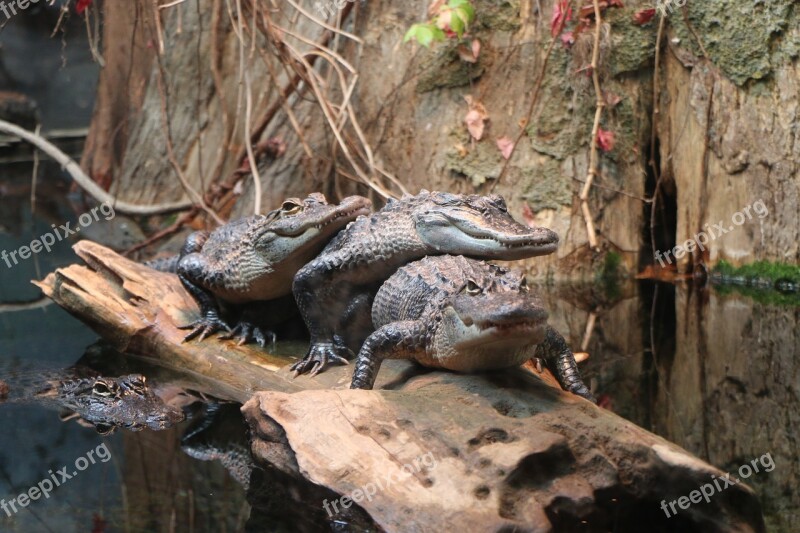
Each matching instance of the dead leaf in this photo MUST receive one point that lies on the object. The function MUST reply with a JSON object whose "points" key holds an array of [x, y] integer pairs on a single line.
{"points": [[640, 18], [612, 99], [506, 146], [476, 118], [435, 7], [580, 357]]}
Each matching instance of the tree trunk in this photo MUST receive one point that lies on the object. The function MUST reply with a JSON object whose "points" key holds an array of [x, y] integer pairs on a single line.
{"points": [[716, 109]]}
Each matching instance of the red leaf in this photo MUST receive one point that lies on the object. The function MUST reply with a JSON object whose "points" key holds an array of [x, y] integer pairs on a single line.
{"points": [[640, 18], [605, 140], [476, 117], [528, 216], [506, 146], [81, 6], [562, 13]]}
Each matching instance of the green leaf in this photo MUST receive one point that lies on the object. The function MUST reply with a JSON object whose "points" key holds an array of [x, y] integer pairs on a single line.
{"points": [[411, 33], [457, 3], [464, 9], [457, 23], [425, 36]]}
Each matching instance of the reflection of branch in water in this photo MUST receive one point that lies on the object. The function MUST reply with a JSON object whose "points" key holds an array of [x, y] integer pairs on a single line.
{"points": [[85, 182], [40, 303]]}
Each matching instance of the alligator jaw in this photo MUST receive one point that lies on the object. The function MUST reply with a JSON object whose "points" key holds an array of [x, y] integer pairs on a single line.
{"points": [[520, 332], [491, 238]]}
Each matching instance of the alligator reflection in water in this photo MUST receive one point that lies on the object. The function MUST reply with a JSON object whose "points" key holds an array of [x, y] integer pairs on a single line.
{"points": [[278, 501], [721, 378], [105, 403]]}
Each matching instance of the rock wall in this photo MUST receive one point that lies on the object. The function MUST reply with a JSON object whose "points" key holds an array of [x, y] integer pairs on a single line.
{"points": [[727, 108]]}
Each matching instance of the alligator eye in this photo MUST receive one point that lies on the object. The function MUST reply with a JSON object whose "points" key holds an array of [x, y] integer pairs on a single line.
{"points": [[102, 388], [104, 429], [291, 207], [498, 202], [473, 288]]}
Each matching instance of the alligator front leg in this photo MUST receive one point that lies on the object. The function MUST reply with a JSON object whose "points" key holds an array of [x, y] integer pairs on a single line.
{"points": [[321, 301], [190, 268], [561, 361], [398, 340]]}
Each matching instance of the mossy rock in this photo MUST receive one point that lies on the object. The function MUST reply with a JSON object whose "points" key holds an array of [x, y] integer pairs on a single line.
{"points": [[546, 187], [632, 46], [482, 162], [442, 68], [497, 15], [563, 122], [740, 37]]}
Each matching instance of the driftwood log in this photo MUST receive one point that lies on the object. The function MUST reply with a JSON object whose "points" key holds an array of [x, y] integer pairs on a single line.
{"points": [[429, 451]]}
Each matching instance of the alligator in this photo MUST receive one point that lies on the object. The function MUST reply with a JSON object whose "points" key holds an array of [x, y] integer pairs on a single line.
{"points": [[334, 290], [102, 402], [463, 315], [252, 260], [220, 434]]}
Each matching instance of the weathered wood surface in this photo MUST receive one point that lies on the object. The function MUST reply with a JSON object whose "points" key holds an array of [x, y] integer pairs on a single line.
{"points": [[488, 451]]}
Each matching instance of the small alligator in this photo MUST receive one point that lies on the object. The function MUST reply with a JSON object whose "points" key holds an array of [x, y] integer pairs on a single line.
{"points": [[254, 259], [334, 290], [463, 315], [102, 402]]}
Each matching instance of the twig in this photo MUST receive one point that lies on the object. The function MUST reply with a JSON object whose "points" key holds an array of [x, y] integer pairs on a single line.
{"points": [[40, 303], [246, 86], [587, 334], [35, 173], [166, 232], [173, 159], [654, 119], [593, 154], [84, 181]]}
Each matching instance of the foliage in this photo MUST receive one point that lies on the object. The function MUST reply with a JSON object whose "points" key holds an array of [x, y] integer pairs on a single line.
{"points": [[449, 20], [761, 270]]}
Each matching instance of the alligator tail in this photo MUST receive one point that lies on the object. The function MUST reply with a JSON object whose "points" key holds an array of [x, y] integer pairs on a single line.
{"points": [[165, 264]]}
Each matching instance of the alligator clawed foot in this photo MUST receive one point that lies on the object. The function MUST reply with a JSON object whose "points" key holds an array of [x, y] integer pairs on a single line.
{"points": [[204, 327], [245, 332], [579, 389], [318, 359]]}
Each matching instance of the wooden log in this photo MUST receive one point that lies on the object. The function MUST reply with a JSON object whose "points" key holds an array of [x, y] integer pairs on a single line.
{"points": [[429, 450]]}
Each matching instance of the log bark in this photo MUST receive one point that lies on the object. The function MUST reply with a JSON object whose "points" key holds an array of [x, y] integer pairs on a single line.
{"points": [[491, 451]]}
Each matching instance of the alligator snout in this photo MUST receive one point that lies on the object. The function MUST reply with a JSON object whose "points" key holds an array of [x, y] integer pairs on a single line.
{"points": [[500, 310]]}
